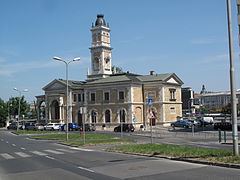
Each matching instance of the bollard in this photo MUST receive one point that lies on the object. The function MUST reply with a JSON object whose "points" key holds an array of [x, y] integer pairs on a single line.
{"points": [[219, 136], [225, 137]]}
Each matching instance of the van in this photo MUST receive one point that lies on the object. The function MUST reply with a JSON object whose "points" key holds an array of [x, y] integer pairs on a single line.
{"points": [[206, 121]]}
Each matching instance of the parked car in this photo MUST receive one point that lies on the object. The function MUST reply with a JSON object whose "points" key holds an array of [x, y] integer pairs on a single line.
{"points": [[13, 126], [71, 126], [224, 126], [206, 121], [182, 123], [125, 128], [52, 126], [88, 127], [33, 126], [196, 123]]}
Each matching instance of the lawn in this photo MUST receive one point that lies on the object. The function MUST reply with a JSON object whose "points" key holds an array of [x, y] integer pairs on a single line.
{"points": [[90, 139], [37, 132], [180, 152]]}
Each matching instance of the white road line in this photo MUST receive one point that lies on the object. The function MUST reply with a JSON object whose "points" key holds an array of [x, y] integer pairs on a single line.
{"points": [[81, 149], [7, 156], [13, 144], [38, 153], [53, 151], [7, 142], [22, 154], [86, 169], [49, 157], [66, 150], [22, 148], [2, 140]]}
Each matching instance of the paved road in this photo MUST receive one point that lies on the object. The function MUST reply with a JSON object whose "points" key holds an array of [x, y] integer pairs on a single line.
{"points": [[25, 159]]}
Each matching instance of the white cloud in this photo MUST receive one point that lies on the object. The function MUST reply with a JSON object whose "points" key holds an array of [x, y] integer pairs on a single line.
{"points": [[213, 59], [7, 69], [205, 41]]}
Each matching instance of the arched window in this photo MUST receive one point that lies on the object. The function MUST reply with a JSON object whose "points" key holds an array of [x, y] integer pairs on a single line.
{"points": [[55, 110], [94, 117], [107, 116], [122, 115]]}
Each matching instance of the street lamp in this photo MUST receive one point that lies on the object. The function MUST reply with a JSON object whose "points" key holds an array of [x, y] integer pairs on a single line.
{"points": [[66, 63], [20, 94]]}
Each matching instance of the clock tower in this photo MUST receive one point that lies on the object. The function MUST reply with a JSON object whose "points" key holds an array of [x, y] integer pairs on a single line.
{"points": [[101, 59]]}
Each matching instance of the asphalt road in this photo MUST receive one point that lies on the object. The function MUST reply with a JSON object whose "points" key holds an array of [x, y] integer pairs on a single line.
{"points": [[25, 159]]}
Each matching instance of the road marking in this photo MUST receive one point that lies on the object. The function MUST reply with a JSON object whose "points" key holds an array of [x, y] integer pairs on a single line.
{"points": [[7, 142], [2, 140], [38, 153], [81, 149], [7, 156], [13, 144], [49, 157], [22, 148], [22, 154], [53, 151], [86, 169], [66, 150]]}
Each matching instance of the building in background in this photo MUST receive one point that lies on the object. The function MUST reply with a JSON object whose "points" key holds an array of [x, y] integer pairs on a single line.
{"points": [[111, 98]]}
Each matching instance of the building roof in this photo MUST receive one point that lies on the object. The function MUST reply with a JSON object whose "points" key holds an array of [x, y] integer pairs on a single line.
{"points": [[124, 77]]}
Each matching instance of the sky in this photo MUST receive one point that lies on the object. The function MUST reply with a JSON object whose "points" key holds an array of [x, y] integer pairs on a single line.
{"points": [[187, 37]]}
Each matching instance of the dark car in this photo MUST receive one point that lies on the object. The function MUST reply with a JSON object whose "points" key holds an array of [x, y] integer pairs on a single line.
{"points": [[88, 127], [71, 127], [182, 123], [13, 126], [224, 126], [125, 128]]}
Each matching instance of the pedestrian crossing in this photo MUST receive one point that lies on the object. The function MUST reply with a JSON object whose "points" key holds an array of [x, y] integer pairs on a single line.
{"points": [[46, 152]]}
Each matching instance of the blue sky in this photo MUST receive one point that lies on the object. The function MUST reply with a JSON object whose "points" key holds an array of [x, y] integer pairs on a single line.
{"points": [[187, 37]]}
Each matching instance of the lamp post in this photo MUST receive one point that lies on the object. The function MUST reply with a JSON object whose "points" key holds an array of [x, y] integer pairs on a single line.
{"points": [[232, 82], [19, 102], [66, 63]]}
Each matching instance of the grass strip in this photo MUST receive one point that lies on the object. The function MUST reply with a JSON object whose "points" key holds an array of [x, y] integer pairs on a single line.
{"points": [[100, 141], [172, 151], [74, 136], [36, 132]]}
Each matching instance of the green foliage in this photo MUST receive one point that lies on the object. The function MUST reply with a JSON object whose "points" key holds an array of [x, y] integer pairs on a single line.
{"points": [[117, 70], [14, 105], [3, 111]]}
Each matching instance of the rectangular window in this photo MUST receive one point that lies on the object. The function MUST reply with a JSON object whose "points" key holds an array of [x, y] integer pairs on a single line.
{"points": [[106, 96], [121, 95], [172, 94], [74, 97], [79, 97], [172, 110], [93, 97], [152, 94]]}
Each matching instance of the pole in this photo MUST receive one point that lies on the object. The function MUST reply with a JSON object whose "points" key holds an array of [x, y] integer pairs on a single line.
{"points": [[151, 130], [18, 110], [67, 101], [232, 82]]}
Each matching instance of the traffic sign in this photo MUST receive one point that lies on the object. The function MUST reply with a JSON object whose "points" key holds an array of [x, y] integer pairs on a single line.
{"points": [[149, 101]]}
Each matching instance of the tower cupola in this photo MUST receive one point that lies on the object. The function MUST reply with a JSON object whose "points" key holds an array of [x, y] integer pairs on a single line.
{"points": [[100, 20]]}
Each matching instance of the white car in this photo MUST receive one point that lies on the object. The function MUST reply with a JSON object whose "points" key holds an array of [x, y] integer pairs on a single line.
{"points": [[52, 126]]}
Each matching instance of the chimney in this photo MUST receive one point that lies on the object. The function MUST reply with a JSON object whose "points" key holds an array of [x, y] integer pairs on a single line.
{"points": [[152, 72]]}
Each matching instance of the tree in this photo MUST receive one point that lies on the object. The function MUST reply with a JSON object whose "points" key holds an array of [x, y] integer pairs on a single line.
{"points": [[3, 112], [14, 105], [117, 70]]}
